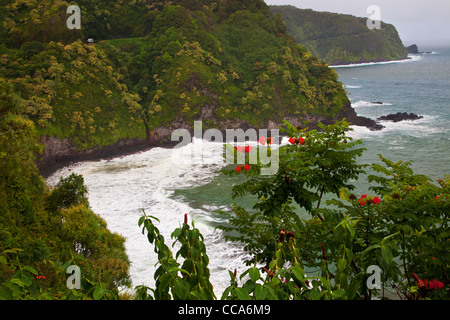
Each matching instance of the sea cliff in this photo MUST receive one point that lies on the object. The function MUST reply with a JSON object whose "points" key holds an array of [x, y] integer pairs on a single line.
{"points": [[340, 39]]}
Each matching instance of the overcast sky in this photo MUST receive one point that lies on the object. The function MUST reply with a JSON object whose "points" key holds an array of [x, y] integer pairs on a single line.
{"points": [[424, 22]]}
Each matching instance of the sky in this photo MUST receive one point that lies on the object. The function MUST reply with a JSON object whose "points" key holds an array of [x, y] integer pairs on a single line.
{"points": [[422, 22]]}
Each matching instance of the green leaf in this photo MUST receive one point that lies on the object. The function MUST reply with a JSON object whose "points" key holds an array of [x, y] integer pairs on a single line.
{"points": [[260, 292], [199, 295], [342, 264], [298, 273], [141, 220], [164, 280], [338, 294], [98, 293], [17, 282], [226, 293], [176, 233], [375, 246], [254, 274], [386, 254], [242, 294], [343, 194], [181, 289], [390, 236], [316, 294], [352, 290], [31, 269]]}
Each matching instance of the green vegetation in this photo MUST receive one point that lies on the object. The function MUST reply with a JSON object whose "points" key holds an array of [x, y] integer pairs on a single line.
{"points": [[215, 61], [403, 230], [402, 227], [341, 39], [155, 64], [44, 230]]}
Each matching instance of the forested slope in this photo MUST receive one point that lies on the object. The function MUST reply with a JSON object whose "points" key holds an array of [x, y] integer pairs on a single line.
{"points": [[153, 67], [341, 39]]}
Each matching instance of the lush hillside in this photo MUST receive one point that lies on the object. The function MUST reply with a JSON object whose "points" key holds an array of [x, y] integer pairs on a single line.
{"points": [[218, 61], [43, 231], [341, 39], [160, 65], [153, 67]]}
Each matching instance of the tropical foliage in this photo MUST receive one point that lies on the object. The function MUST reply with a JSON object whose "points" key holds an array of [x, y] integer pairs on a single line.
{"points": [[341, 39], [182, 61]]}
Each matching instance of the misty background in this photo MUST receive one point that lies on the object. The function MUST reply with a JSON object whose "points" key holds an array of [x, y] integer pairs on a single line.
{"points": [[425, 23]]}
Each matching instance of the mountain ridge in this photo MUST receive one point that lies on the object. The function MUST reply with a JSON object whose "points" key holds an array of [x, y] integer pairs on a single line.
{"points": [[228, 64], [340, 39]]}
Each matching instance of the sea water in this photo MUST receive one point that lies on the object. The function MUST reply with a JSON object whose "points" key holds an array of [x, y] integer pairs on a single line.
{"points": [[155, 181]]}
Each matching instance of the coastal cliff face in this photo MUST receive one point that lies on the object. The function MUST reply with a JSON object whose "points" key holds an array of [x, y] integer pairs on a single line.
{"points": [[230, 64], [341, 39], [60, 152]]}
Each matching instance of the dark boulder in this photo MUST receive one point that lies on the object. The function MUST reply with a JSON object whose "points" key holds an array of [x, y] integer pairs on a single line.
{"points": [[399, 116], [413, 49]]}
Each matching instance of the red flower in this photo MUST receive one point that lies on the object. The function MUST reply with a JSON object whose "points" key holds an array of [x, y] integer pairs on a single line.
{"points": [[239, 148], [302, 141], [437, 197], [185, 218], [289, 235], [269, 272], [364, 196], [238, 168], [434, 284], [376, 200], [362, 202], [262, 140], [297, 140], [248, 149], [247, 167], [269, 140], [235, 273], [429, 285], [420, 283], [323, 253]]}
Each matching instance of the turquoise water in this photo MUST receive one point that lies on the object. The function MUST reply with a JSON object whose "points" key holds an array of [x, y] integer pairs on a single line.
{"points": [[168, 183], [420, 85]]}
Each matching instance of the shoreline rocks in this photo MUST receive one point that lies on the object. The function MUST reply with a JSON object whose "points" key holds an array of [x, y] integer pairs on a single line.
{"points": [[60, 153], [400, 116]]}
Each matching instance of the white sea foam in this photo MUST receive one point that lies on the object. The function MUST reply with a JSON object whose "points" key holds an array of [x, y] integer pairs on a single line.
{"points": [[362, 103], [411, 58], [120, 188], [353, 87], [416, 128]]}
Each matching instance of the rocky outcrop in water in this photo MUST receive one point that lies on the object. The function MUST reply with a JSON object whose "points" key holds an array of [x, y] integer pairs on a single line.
{"points": [[413, 49], [400, 116]]}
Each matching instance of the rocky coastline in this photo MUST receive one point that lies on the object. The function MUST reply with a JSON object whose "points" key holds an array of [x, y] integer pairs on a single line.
{"points": [[400, 116], [60, 153]]}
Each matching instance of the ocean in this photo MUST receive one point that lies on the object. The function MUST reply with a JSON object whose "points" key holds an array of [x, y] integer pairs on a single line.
{"points": [[168, 183]]}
